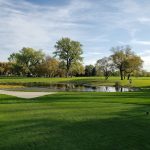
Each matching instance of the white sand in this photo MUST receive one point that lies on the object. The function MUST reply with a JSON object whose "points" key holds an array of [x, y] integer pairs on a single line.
{"points": [[26, 95]]}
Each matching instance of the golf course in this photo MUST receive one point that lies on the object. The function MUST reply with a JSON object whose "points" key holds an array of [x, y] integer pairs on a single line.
{"points": [[76, 120], [74, 75]]}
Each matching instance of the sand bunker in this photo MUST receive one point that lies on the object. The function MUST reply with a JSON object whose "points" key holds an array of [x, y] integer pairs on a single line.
{"points": [[26, 95]]}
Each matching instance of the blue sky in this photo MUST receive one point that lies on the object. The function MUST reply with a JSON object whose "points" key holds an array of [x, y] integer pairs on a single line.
{"points": [[97, 24]]}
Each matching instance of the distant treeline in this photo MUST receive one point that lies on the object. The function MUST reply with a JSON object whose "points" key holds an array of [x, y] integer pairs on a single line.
{"points": [[67, 61]]}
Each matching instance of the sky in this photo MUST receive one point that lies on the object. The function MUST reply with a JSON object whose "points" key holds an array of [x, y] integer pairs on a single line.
{"points": [[98, 24]]}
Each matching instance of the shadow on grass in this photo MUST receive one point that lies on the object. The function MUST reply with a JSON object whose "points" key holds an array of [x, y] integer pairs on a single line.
{"points": [[133, 97], [128, 130], [126, 97], [7, 99]]}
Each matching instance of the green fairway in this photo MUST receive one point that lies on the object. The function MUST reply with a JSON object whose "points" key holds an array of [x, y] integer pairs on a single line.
{"points": [[76, 121], [136, 82]]}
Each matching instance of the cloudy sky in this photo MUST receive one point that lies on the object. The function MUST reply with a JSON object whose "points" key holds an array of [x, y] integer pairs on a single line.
{"points": [[97, 24]]}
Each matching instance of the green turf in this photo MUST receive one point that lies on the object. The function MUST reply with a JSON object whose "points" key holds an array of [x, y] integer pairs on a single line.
{"points": [[76, 121], [136, 82]]}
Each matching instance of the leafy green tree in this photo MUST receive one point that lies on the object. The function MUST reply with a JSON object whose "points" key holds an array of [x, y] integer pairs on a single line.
{"points": [[1, 70], [69, 52], [143, 73], [77, 69], [62, 69], [126, 61], [90, 70], [52, 66], [119, 57], [27, 59], [133, 63], [49, 67], [6, 68]]}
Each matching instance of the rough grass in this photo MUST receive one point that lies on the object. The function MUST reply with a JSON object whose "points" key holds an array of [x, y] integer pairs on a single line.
{"points": [[136, 82], [76, 121], [10, 86]]}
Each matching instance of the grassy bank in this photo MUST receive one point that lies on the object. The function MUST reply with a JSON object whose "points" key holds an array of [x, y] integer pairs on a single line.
{"points": [[76, 121], [136, 82]]}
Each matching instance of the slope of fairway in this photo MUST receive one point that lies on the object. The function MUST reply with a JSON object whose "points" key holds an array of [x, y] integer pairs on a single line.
{"points": [[76, 121]]}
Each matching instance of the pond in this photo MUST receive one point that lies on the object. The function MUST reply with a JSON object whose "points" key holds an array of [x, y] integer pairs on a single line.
{"points": [[63, 87]]}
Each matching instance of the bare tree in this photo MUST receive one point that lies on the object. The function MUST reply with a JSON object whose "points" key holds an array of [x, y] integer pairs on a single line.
{"points": [[106, 66]]}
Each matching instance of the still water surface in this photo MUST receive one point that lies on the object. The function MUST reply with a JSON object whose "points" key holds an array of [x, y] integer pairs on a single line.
{"points": [[76, 87]]}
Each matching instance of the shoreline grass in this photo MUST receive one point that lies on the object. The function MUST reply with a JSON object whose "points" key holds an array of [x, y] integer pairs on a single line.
{"points": [[95, 81]]}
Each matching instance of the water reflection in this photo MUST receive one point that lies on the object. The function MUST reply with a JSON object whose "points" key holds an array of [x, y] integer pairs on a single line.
{"points": [[74, 87], [87, 88]]}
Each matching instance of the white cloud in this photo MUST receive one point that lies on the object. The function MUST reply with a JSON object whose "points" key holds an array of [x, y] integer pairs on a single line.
{"points": [[134, 41], [146, 60], [95, 23], [144, 20], [37, 26]]}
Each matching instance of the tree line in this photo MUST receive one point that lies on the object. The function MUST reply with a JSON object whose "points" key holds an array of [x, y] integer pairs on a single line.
{"points": [[67, 61]]}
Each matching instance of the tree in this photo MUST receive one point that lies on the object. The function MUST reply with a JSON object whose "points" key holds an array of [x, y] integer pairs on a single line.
{"points": [[90, 70], [49, 67], [27, 59], [69, 52], [133, 63], [126, 61], [94, 72], [1, 70], [77, 69], [5, 68], [143, 73], [119, 57], [106, 66], [52, 66]]}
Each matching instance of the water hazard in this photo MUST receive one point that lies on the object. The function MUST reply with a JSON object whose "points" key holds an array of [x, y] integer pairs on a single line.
{"points": [[70, 87], [87, 88]]}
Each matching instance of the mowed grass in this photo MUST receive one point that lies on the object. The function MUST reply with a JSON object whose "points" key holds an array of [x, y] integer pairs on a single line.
{"points": [[136, 81], [76, 121]]}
